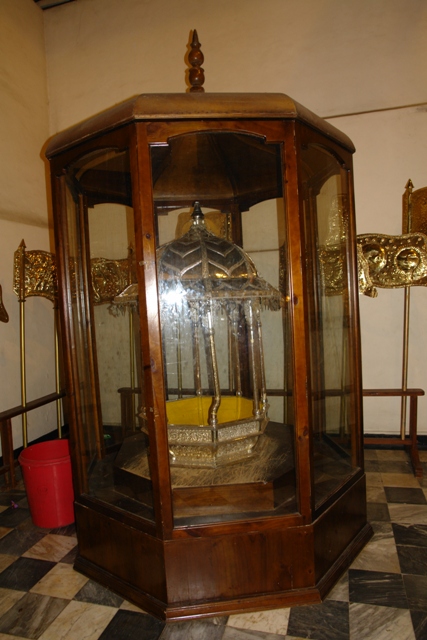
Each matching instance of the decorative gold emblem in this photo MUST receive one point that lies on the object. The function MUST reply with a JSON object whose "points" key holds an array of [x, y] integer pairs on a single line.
{"points": [[395, 261], [398, 261], [332, 254], [109, 278], [331, 259], [35, 274]]}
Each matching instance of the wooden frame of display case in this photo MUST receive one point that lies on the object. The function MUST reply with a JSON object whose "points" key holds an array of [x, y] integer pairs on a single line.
{"points": [[179, 571]]}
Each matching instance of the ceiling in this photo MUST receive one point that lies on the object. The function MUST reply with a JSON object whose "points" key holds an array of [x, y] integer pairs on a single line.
{"points": [[48, 4]]}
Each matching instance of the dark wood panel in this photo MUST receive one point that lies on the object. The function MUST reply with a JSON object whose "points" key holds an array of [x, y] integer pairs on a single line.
{"points": [[338, 526], [234, 566], [257, 602], [223, 574], [115, 548], [193, 501], [328, 580]]}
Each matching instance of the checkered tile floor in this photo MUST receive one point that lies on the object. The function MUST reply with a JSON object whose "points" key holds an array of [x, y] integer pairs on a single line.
{"points": [[383, 596]]}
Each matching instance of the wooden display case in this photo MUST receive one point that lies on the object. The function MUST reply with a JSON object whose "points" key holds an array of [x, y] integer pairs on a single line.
{"points": [[215, 395]]}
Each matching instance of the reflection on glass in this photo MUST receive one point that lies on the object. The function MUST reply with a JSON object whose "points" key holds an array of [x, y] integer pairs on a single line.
{"points": [[81, 365], [224, 326], [326, 217], [104, 179]]}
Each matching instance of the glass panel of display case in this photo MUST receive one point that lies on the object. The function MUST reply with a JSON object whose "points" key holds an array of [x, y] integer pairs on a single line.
{"points": [[221, 263], [104, 180], [326, 216], [79, 320]]}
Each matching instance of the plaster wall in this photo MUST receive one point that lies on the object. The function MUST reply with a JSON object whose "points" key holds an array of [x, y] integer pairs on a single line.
{"points": [[23, 113], [361, 61], [334, 57], [23, 207]]}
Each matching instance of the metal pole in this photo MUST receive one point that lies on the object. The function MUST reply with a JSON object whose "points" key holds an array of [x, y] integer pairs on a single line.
{"points": [[252, 354], [406, 305], [406, 228], [21, 251], [216, 400]]}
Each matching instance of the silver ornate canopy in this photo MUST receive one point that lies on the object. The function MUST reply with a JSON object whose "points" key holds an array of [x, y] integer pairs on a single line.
{"points": [[202, 265], [210, 300]]}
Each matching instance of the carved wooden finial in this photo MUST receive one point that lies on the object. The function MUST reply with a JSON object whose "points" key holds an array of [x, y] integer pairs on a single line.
{"points": [[196, 74]]}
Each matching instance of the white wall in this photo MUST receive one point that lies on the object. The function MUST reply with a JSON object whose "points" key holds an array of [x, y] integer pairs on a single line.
{"points": [[23, 206], [391, 148], [332, 56], [23, 113], [337, 58]]}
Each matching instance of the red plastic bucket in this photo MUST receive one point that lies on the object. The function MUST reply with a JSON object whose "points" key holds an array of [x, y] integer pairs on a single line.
{"points": [[46, 469]]}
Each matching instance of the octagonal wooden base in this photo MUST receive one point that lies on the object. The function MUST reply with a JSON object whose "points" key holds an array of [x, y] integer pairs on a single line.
{"points": [[210, 571]]}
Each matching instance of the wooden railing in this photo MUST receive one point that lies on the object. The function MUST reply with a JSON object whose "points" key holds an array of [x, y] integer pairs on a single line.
{"points": [[6, 437], [410, 442]]}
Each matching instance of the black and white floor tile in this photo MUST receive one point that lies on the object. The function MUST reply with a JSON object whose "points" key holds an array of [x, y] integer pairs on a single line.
{"points": [[383, 595]]}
